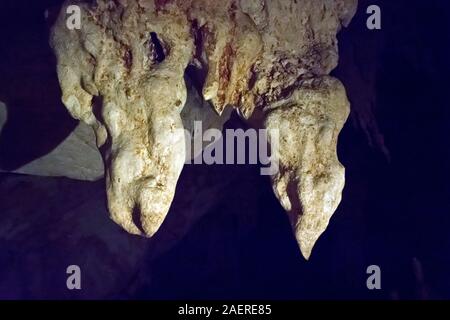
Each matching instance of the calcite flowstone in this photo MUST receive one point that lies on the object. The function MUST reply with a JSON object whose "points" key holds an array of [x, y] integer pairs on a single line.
{"points": [[123, 74]]}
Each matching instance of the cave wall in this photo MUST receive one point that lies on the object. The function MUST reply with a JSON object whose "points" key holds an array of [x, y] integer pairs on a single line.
{"points": [[395, 209]]}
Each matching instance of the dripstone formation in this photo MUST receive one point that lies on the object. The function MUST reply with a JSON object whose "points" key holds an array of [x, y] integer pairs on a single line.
{"points": [[123, 73]]}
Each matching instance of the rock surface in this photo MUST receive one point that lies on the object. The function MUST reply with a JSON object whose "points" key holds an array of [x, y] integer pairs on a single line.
{"points": [[123, 74], [77, 157], [311, 178]]}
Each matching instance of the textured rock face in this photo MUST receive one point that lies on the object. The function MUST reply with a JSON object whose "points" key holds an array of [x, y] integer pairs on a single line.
{"points": [[123, 74]]}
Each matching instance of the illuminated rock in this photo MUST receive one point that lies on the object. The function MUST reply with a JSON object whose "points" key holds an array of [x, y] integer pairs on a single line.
{"points": [[123, 74]]}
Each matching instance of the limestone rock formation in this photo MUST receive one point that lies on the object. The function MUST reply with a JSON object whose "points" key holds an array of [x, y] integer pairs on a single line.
{"points": [[123, 74], [311, 178], [61, 223], [77, 157]]}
